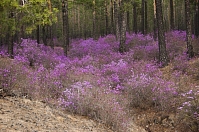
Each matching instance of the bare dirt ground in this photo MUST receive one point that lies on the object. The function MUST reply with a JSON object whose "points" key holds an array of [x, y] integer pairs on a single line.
{"points": [[17, 115], [24, 115]]}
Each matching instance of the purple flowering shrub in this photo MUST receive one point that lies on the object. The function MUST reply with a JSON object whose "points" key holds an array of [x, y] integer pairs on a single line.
{"points": [[36, 54], [13, 77], [3, 51], [146, 87], [138, 39], [98, 103], [143, 47], [189, 109], [49, 82], [89, 47], [176, 35], [195, 45], [7, 80], [194, 68], [180, 63]]}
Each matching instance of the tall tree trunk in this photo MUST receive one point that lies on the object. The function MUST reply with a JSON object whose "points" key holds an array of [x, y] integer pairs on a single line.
{"points": [[73, 23], [128, 21], [155, 22], [1, 41], [17, 34], [135, 29], [78, 22], [44, 35], [117, 32], [10, 44], [197, 19], [94, 21], [38, 34], [51, 36], [65, 26], [84, 26], [122, 28], [101, 23], [145, 18], [171, 16], [188, 29], [142, 17], [10, 39], [106, 18], [50, 27], [112, 17], [163, 58]]}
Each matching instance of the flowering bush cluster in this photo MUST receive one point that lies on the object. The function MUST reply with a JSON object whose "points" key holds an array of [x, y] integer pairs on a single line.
{"points": [[95, 79], [189, 109], [36, 54], [7, 79], [12, 77], [89, 46]]}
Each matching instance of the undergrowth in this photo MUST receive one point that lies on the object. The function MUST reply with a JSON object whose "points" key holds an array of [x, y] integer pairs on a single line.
{"points": [[97, 81]]}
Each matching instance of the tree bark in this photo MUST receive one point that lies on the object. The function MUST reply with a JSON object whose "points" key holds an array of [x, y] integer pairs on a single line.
{"points": [[1, 41], [188, 29], [44, 35], [142, 17], [198, 16], [10, 45], [51, 26], [84, 29], [135, 29], [112, 17], [145, 18], [155, 22], [172, 25], [78, 22], [122, 29], [163, 58], [106, 18], [51, 36], [38, 34], [197, 19], [128, 21], [65, 26], [94, 21], [10, 39], [117, 32]]}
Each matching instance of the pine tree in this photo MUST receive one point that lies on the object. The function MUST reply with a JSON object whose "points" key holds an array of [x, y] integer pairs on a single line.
{"points": [[188, 29], [65, 26], [163, 58]]}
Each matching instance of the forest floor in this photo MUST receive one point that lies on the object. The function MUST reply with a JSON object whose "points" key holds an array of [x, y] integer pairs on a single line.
{"points": [[21, 114]]}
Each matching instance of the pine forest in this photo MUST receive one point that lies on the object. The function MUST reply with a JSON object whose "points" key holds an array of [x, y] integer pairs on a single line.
{"points": [[121, 63]]}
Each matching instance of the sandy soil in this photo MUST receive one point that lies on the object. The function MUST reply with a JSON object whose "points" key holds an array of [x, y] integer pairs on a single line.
{"points": [[24, 115]]}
